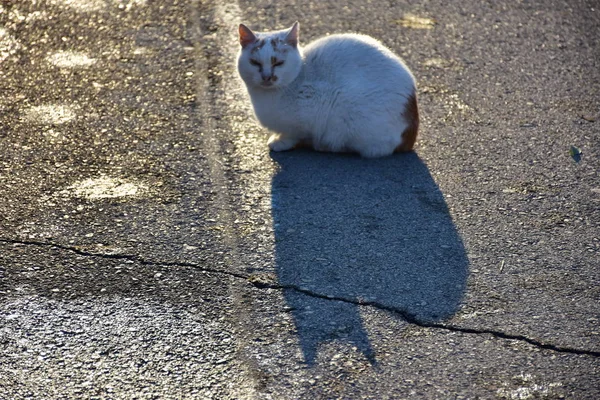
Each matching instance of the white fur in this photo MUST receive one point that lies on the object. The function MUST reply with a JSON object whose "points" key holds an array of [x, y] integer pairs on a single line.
{"points": [[342, 92]]}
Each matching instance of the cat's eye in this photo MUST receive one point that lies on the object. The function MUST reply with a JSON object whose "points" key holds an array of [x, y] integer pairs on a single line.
{"points": [[256, 63], [276, 63]]}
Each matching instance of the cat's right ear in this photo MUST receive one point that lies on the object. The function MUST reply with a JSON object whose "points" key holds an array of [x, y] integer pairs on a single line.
{"points": [[247, 37], [292, 36]]}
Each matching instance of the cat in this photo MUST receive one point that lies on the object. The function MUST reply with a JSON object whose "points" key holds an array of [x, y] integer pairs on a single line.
{"points": [[340, 93]]}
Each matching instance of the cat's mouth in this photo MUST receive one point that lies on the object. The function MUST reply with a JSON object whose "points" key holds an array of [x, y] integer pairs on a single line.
{"points": [[267, 84]]}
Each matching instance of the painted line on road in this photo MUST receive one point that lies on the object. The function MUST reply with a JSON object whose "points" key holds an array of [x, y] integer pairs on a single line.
{"points": [[223, 14]]}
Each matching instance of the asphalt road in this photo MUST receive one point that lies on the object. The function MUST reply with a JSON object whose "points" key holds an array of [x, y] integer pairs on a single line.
{"points": [[152, 248]]}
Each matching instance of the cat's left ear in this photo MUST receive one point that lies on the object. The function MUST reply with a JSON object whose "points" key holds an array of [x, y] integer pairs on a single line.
{"points": [[246, 36], [292, 36]]}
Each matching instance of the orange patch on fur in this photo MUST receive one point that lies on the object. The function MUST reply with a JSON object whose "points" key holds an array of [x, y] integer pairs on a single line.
{"points": [[411, 114]]}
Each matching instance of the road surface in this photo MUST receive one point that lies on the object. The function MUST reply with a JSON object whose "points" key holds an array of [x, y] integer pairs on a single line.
{"points": [[151, 247]]}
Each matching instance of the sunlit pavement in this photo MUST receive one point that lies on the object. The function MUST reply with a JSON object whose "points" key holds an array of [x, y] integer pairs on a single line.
{"points": [[151, 247]]}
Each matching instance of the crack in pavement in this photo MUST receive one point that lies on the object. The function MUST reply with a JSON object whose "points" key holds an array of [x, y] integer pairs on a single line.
{"points": [[265, 284], [117, 256]]}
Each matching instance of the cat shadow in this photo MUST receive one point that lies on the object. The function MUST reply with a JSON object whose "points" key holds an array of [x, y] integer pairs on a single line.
{"points": [[374, 231]]}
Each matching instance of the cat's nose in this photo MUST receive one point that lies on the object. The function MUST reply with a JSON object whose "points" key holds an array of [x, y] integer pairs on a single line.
{"points": [[267, 78]]}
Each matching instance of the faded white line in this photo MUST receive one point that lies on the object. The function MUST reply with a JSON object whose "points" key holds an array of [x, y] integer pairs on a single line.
{"points": [[70, 59], [56, 114], [106, 187], [224, 15]]}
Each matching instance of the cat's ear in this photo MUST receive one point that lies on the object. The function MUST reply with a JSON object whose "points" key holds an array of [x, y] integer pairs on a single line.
{"points": [[292, 36], [246, 36]]}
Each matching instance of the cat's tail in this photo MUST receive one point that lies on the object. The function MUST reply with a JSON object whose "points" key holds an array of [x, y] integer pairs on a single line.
{"points": [[411, 116]]}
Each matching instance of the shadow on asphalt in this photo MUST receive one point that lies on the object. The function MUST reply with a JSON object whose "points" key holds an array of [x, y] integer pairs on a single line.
{"points": [[365, 230]]}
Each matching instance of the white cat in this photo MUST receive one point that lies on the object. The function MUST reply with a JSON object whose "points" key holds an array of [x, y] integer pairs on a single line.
{"points": [[340, 93]]}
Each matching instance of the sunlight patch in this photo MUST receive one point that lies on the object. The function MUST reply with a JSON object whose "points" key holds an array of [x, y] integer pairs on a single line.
{"points": [[51, 114], [82, 5], [414, 22], [106, 187], [527, 389], [140, 51], [128, 4], [70, 59], [8, 45], [435, 62], [97, 5]]}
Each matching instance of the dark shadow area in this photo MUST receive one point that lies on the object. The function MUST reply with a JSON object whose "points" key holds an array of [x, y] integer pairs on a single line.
{"points": [[366, 230]]}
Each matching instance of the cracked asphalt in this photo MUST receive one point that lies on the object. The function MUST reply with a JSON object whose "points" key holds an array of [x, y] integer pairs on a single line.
{"points": [[152, 248]]}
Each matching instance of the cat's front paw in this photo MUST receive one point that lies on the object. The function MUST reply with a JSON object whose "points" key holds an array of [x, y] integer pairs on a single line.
{"points": [[281, 143]]}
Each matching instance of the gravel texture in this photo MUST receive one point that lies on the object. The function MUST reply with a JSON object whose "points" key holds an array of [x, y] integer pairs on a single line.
{"points": [[152, 248]]}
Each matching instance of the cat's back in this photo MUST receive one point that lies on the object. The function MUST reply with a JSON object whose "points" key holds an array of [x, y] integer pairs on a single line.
{"points": [[344, 45], [355, 56]]}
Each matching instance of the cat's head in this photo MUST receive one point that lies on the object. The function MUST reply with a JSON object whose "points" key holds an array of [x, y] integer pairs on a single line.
{"points": [[269, 60]]}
